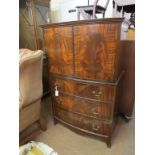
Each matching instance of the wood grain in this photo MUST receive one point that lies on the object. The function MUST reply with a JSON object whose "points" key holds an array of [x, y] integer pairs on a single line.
{"points": [[86, 67], [95, 51], [93, 91], [58, 44], [127, 97], [85, 123], [99, 110]]}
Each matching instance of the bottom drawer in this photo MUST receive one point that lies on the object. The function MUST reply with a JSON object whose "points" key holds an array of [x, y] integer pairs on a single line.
{"points": [[85, 123]]}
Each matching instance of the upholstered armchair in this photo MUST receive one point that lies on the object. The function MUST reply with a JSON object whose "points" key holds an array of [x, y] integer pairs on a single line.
{"points": [[30, 88]]}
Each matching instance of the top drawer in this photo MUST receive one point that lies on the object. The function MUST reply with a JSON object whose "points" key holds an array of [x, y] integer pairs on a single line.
{"points": [[93, 91]]}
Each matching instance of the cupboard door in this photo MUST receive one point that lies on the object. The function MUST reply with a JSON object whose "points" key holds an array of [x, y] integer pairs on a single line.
{"points": [[58, 45], [96, 49]]}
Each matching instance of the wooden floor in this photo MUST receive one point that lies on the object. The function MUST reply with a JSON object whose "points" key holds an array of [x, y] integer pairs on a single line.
{"points": [[66, 142]]}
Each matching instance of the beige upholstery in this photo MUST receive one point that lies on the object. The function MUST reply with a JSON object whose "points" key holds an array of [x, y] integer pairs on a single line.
{"points": [[30, 86]]}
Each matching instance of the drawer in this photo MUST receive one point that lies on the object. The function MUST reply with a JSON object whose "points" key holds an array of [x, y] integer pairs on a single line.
{"points": [[82, 122], [83, 106], [98, 92], [62, 85], [93, 91]]}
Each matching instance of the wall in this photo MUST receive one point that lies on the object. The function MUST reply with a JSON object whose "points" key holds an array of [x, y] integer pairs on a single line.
{"points": [[26, 26], [60, 8], [122, 2]]}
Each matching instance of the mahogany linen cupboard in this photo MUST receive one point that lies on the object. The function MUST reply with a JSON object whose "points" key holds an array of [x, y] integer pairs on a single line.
{"points": [[84, 60]]}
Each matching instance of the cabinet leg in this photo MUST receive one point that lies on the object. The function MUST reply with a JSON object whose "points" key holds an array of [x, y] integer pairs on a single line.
{"points": [[126, 117], [55, 121], [108, 142], [43, 124]]}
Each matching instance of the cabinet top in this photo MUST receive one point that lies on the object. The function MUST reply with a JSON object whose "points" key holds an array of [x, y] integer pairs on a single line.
{"points": [[92, 21]]}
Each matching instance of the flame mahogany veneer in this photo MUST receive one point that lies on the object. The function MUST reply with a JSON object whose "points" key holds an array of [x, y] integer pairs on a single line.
{"points": [[85, 65]]}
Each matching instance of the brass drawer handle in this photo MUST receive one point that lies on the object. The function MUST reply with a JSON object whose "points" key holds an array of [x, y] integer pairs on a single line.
{"points": [[93, 92], [96, 128], [97, 94], [95, 112]]}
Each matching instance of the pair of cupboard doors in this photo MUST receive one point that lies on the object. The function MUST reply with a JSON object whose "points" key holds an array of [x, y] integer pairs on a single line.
{"points": [[86, 52]]}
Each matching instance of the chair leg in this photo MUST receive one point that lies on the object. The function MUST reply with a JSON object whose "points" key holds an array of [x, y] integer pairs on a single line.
{"points": [[43, 124], [95, 17], [83, 13], [78, 15]]}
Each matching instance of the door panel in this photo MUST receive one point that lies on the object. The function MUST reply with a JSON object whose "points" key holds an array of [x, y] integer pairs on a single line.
{"points": [[58, 44], [95, 51]]}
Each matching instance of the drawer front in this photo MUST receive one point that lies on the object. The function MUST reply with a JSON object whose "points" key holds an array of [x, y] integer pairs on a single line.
{"points": [[62, 85], [82, 122], [98, 92], [86, 107]]}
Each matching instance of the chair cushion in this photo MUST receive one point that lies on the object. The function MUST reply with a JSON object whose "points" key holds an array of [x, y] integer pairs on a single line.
{"points": [[26, 53], [30, 86]]}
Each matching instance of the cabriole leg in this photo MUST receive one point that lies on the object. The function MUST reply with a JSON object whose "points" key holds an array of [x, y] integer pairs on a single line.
{"points": [[108, 141], [43, 124]]}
